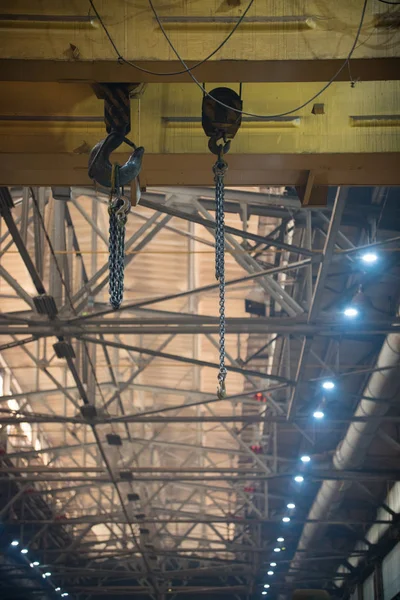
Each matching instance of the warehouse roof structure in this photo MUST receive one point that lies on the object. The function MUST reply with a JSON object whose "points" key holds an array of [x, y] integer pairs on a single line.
{"points": [[130, 466]]}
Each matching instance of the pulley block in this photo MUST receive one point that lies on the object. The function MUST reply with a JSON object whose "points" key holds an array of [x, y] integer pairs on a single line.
{"points": [[219, 117]]}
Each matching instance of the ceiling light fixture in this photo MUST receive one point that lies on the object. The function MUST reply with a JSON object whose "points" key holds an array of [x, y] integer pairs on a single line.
{"points": [[318, 414], [369, 258], [305, 458], [286, 520], [298, 479], [273, 564], [270, 573], [351, 312], [291, 505], [24, 551], [328, 385], [277, 549], [14, 543]]}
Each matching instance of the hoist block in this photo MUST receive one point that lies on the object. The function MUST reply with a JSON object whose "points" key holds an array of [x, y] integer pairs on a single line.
{"points": [[117, 109], [221, 121]]}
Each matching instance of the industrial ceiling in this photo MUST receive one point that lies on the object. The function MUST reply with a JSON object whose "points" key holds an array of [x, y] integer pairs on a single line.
{"points": [[124, 474]]}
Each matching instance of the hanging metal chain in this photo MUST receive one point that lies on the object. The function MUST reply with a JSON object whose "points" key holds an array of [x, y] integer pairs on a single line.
{"points": [[220, 169], [118, 209]]}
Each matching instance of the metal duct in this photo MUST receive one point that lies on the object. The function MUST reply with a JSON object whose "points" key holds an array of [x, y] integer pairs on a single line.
{"points": [[350, 454]]}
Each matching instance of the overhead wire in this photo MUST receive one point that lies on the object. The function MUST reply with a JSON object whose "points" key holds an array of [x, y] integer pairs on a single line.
{"points": [[187, 69], [255, 115]]}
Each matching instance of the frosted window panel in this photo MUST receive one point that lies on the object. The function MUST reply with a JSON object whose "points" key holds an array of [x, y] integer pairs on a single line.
{"points": [[391, 573], [369, 588]]}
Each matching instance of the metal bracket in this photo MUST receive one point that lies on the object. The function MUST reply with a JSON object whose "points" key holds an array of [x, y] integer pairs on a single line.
{"points": [[117, 109]]}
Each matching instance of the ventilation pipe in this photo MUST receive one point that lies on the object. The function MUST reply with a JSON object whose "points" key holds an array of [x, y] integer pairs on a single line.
{"points": [[350, 454]]}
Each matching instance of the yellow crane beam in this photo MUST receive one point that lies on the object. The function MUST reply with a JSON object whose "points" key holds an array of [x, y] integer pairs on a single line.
{"points": [[69, 31], [64, 121], [52, 51]]}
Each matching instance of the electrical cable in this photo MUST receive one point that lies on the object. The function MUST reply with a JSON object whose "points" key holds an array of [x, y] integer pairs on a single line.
{"points": [[187, 69], [387, 2], [289, 112]]}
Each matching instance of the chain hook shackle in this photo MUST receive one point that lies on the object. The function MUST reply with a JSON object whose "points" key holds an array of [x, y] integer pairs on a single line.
{"points": [[117, 118]]}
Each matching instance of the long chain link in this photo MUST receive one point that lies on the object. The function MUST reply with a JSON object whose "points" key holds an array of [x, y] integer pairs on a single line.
{"points": [[118, 209], [220, 169]]}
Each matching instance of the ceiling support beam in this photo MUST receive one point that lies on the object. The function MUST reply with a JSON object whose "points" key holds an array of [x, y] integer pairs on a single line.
{"points": [[183, 359], [226, 71], [209, 223], [205, 288], [195, 324], [117, 518], [367, 169], [316, 300], [29, 417], [249, 264], [88, 288], [316, 475]]}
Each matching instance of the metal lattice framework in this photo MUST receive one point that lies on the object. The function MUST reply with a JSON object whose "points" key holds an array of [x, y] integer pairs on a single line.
{"points": [[122, 471]]}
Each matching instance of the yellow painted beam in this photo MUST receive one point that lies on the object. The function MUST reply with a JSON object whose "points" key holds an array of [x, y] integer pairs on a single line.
{"points": [[371, 169], [317, 29], [48, 129], [166, 120]]}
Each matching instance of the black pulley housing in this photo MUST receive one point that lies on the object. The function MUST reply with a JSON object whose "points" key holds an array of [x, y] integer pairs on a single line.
{"points": [[220, 121]]}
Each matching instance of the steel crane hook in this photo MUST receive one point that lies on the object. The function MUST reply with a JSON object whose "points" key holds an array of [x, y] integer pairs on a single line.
{"points": [[100, 167]]}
